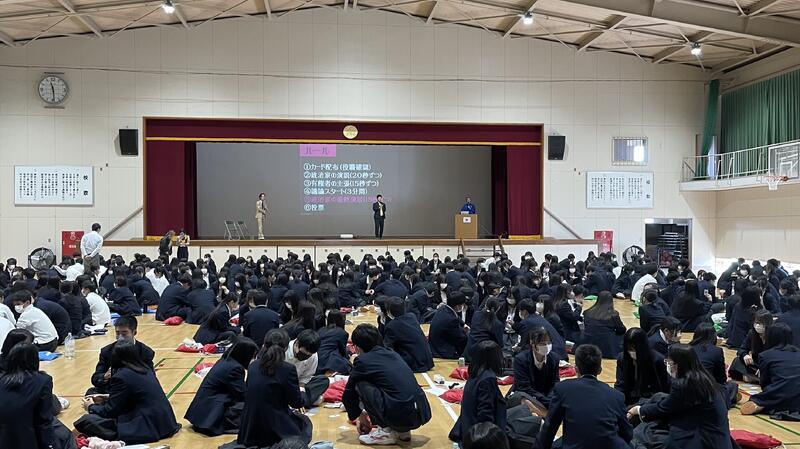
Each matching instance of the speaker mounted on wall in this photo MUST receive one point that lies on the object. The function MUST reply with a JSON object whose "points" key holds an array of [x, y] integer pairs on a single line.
{"points": [[129, 142], [555, 147]]}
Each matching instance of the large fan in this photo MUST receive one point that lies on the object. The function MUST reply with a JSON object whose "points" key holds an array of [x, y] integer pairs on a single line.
{"points": [[632, 254], [41, 259]]}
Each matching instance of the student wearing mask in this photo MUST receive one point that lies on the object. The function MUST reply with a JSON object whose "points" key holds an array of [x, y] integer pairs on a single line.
{"points": [[123, 301], [603, 326], [712, 358], [217, 406], [778, 365], [382, 391], [159, 280], [746, 364], [101, 314], [569, 306], [536, 369], [136, 411], [217, 326], [333, 356], [640, 369], [404, 336], [34, 320], [125, 329], [531, 320], [484, 326], [447, 335], [668, 333]]}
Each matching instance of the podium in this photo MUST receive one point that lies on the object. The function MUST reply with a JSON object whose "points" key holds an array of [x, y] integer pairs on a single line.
{"points": [[466, 226]]}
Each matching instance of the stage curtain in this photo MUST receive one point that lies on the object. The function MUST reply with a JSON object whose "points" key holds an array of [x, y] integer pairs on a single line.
{"points": [[524, 192], [499, 189], [171, 187]]}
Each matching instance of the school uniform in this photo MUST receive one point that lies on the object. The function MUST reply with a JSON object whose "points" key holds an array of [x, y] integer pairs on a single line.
{"points": [[713, 360], [650, 316], [690, 426], [570, 316], [173, 302], [57, 315], [418, 303], [555, 321], [405, 337], [597, 283], [258, 322], [535, 380], [392, 287], [658, 344], [332, 353], [478, 332], [605, 334], [101, 314], [137, 410], [213, 410], [739, 324], [623, 285], [276, 293], [27, 413], [124, 302], [48, 293], [593, 414], [215, 328], [388, 390], [299, 287], [79, 314], [792, 319], [104, 364], [657, 382], [779, 374], [45, 334], [690, 310], [524, 327], [266, 418], [201, 304], [482, 402], [446, 335], [349, 295], [144, 291]]}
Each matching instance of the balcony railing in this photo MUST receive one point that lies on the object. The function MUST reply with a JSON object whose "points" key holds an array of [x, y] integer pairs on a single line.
{"points": [[767, 159]]}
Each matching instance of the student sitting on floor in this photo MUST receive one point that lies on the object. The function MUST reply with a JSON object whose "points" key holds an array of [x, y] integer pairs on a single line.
{"points": [[689, 308], [302, 353], [666, 334], [217, 405], [201, 302], [792, 317], [640, 369], [136, 411], [101, 315], [420, 302], [531, 320], [484, 327], [382, 391], [536, 369], [695, 410], [485, 435], [122, 299], [125, 328], [332, 353], [405, 337], [272, 388], [482, 401], [447, 335], [745, 365], [593, 413], [742, 313], [77, 308], [712, 358], [260, 319], [173, 299], [779, 373], [35, 321], [217, 326], [650, 311], [603, 327]]}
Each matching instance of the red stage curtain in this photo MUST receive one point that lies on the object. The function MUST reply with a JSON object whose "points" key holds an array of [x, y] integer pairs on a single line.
{"points": [[499, 189], [170, 169], [524, 173]]}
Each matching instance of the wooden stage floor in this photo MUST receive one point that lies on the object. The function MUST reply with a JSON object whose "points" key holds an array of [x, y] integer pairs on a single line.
{"points": [[176, 373]]}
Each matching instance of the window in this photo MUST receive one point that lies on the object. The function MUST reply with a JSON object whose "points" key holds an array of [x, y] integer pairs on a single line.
{"points": [[630, 151]]}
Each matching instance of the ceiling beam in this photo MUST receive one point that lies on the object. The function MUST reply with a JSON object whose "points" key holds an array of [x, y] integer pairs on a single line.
{"points": [[263, 7], [430, 13], [703, 18], [592, 36], [760, 6], [87, 21], [516, 21], [763, 51], [180, 16], [672, 50], [6, 39]]}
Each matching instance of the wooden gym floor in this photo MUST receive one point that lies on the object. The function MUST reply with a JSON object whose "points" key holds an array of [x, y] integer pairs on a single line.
{"points": [[176, 373]]}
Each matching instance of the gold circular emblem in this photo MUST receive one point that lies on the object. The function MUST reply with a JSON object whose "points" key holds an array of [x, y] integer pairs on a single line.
{"points": [[350, 131]]}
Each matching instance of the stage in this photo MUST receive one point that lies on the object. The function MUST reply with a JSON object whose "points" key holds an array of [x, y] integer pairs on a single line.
{"points": [[318, 249]]}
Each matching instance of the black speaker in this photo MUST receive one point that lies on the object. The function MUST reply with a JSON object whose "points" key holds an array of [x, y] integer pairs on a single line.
{"points": [[555, 147], [129, 142]]}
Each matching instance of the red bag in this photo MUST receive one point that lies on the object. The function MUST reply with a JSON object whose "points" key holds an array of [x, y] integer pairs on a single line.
{"points": [[201, 366], [505, 380], [751, 440], [173, 321], [567, 371], [454, 395], [235, 320], [345, 310], [210, 348], [460, 373], [335, 391], [183, 348]]}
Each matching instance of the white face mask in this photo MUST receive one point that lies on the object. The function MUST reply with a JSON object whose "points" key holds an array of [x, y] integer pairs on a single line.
{"points": [[11, 267], [539, 308], [204, 270], [511, 301], [544, 349], [19, 309], [442, 286], [743, 272], [481, 283], [672, 370], [759, 328], [632, 354], [222, 280], [571, 270]]}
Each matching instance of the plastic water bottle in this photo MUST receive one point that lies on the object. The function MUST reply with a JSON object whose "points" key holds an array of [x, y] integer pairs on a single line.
{"points": [[69, 346]]}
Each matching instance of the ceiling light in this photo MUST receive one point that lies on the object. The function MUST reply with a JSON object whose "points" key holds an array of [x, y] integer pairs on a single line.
{"points": [[696, 50], [168, 7], [527, 19]]}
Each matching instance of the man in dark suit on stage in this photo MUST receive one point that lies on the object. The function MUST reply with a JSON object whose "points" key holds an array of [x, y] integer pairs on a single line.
{"points": [[379, 215]]}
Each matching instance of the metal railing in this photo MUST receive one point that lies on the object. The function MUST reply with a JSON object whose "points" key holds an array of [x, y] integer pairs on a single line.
{"points": [[735, 164]]}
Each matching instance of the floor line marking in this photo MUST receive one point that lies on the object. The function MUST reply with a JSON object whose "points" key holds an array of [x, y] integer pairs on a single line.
{"points": [[445, 404], [185, 376]]}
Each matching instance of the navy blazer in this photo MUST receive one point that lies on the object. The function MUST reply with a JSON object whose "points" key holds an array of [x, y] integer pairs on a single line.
{"points": [[258, 322], [104, 363], [201, 303], [605, 334], [597, 283], [58, 316], [593, 414], [537, 383], [779, 374], [523, 327], [27, 413], [482, 402], [220, 390], [658, 344], [713, 360], [405, 337], [690, 311], [276, 293], [658, 381], [143, 290], [211, 331], [691, 426], [406, 405], [266, 418], [299, 287], [478, 332], [570, 319], [139, 406], [739, 324], [79, 312], [173, 302], [446, 335], [124, 302], [418, 303], [792, 319], [332, 352], [392, 287], [650, 316]]}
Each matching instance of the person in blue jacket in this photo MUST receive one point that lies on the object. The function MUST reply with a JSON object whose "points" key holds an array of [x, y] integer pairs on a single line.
{"points": [[468, 207], [404, 336], [593, 414], [382, 391], [332, 355], [484, 326], [779, 373], [136, 411], [447, 335], [531, 320], [482, 400], [260, 319], [536, 369], [217, 326], [695, 409], [217, 405], [122, 299]]}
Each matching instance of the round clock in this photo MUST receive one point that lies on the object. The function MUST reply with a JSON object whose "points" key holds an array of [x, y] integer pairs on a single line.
{"points": [[53, 89]]}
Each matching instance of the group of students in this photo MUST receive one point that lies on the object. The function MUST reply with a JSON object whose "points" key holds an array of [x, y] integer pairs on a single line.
{"points": [[290, 341]]}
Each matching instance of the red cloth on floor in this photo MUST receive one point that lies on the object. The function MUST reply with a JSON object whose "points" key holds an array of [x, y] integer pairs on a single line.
{"points": [[567, 371], [335, 391], [505, 380], [460, 373], [454, 395], [201, 366], [183, 348], [210, 348], [173, 321], [751, 440]]}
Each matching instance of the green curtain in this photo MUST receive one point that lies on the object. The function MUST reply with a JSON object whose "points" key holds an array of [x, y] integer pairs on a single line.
{"points": [[710, 124], [784, 103]]}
